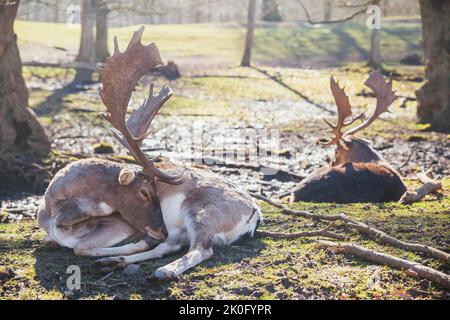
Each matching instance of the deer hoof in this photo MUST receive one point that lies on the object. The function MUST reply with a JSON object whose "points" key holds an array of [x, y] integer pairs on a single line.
{"points": [[49, 243], [109, 262], [161, 275]]}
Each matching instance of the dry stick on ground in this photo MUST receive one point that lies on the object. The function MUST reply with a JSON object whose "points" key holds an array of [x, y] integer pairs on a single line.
{"points": [[429, 186], [414, 268], [365, 229], [217, 161], [317, 233]]}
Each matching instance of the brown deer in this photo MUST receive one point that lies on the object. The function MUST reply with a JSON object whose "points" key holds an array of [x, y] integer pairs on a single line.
{"points": [[102, 208], [358, 173]]}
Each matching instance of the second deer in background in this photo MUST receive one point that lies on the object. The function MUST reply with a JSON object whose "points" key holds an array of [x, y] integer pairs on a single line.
{"points": [[358, 173]]}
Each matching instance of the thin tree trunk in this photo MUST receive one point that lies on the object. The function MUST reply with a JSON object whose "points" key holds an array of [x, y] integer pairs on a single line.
{"points": [[20, 131], [434, 97], [270, 11], [246, 59], [327, 10], [86, 53], [375, 59], [101, 34], [56, 11], [23, 141]]}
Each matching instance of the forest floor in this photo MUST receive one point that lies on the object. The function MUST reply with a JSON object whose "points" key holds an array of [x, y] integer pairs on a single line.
{"points": [[225, 101]]}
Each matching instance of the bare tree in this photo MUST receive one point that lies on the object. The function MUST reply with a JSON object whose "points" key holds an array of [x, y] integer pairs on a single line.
{"points": [[101, 30], [20, 130], [86, 53], [375, 58], [138, 7], [327, 10], [434, 96], [271, 11], [246, 59]]}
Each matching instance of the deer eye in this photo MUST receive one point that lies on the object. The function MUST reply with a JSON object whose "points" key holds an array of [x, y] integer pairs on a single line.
{"points": [[144, 177]]}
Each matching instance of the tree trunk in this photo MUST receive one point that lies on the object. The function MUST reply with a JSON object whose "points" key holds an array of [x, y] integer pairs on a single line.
{"points": [[271, 11], [56, 11], [86, 53], [327, 10], [246, 59], [375, 59], [23, 142], [434, 97], [101, 31], [20, 131]]}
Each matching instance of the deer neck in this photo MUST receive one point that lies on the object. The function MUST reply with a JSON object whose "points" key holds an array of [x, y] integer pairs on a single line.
{"points": [[171, 198]]}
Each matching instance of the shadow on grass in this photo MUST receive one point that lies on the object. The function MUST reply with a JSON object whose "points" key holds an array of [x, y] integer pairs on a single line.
{"points": [[53, 104], [51, 266]]}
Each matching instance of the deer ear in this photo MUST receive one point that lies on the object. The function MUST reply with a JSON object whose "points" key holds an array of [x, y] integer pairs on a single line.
{"points": [[126, 176]]}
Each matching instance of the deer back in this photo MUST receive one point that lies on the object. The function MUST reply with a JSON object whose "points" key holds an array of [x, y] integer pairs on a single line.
{"points": [[351, 183]]}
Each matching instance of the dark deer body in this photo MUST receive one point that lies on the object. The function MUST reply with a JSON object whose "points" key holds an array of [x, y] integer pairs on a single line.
{"points": [[358, 172], [351, 182]]}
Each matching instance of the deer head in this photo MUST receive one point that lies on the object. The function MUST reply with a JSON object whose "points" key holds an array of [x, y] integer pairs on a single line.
{"points": [[348, 147], [118, 78]]}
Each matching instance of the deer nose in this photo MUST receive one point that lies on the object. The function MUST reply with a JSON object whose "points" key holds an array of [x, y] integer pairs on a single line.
{"points": [[157, 234]]}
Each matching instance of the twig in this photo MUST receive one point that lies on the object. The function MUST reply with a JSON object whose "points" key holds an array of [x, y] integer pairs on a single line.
{"points": [[385, 238], [406, 162], [316, 233], [413, 268], [350, 17], [363, 228], [217, 161], [105, 285], [107, 276], [429, 186]]}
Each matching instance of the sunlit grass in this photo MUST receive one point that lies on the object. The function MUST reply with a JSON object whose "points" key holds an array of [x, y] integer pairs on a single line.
{"points": [[223, 43]]}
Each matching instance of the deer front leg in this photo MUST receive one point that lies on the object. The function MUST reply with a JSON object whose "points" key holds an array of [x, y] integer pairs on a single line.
{"points": [[174, 269], [111, 230], [173, 243]]}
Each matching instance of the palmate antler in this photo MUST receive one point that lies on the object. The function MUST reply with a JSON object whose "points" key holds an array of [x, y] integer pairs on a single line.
{"points": [[384, 95], [119, 77]]}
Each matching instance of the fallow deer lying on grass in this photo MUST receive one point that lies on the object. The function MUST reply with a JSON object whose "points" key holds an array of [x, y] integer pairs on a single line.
{"points": [[358, 173], [102, 208]]}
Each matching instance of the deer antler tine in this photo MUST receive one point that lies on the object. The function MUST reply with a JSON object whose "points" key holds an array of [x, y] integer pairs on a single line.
{"points": [[120, 75], [384, 95], [116, 46], [136, 38], [344, 110], [151, 89]]}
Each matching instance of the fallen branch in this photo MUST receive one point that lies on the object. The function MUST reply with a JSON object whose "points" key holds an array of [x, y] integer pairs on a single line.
{"points": [[317, 233], [429, 186], [385, 238], [413, 268], [363, 228], [217, 161]]}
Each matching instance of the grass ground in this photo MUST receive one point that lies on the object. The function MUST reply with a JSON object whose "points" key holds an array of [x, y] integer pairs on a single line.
{"points": [[209, 44], [260, 268]]}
